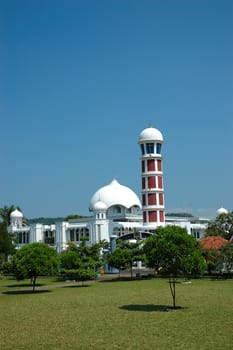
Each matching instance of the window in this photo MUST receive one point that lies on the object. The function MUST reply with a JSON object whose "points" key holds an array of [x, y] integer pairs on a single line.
{"points": [[149, 148], [72, 235], [151, 182], [143, 166], [160, 182], [159, 165], [160, 198], [152, 216], [143, 199], [117, 209], [158, 148], [87, 233], [20, 238], [143, 183], [144, 216], [151, 199], [151, 165], [142, 149], [161, 216]]}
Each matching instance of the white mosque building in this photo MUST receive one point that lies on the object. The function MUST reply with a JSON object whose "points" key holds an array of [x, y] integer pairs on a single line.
{"points": [[116, 209]]}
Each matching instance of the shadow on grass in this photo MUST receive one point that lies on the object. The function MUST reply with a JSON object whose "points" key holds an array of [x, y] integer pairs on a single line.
{"points": [[151, 308], [78, 286], [119, 279], [24, 285], [18, 292]]}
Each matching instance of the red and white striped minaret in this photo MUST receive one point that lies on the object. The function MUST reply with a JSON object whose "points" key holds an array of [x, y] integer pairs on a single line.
{"points": [[150, 141]]}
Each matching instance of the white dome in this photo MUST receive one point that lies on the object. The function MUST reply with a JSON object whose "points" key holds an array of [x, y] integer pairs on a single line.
{"points": [[16, 214], [222, 211], [99, 206], [115, 194], [150, 134]]}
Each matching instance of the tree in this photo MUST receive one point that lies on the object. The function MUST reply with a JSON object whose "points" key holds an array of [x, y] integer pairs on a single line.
{"points": [[5, 213], [221, 226], [6, 242], [175, 252], [213, 259], [80, 262], [226, 257], [211, 246], [70, 260], [135, 252], [74, 216], [120, 259], [33, 260]]}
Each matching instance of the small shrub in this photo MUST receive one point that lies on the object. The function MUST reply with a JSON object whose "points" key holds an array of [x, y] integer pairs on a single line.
{"points": [[80, 274]]}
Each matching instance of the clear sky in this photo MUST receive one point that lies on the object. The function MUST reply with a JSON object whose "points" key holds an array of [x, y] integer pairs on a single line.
{"points": [[79, 81]]}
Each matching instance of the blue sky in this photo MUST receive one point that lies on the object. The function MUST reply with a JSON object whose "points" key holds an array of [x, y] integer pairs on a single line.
{"points": [[79, 81]]}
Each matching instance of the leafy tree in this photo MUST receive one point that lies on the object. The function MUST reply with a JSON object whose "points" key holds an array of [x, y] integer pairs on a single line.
{"points": [[104, 244], [213, 259], [33, 260], [82, 260], [120, 259], [226, 257], [6, 238], [221, 226], [90, 255], [6, 242], [70, 260], [175, 252], [135, 252]]}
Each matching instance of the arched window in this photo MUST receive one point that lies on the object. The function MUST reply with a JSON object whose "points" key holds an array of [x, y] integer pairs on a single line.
{"points": [[117, 209]]}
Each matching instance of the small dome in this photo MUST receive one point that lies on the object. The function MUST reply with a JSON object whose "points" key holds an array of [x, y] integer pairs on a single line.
{"points": [[99, 206], [222, 211], [16, 214], [150, 134], [115, 194]]}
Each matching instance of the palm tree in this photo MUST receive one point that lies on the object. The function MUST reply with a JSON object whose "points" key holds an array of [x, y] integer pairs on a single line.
{"points": [[5, 213]]}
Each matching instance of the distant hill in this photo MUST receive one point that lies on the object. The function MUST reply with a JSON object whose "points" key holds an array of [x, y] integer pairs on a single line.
{"points": [[52, 221], [180, 215]]}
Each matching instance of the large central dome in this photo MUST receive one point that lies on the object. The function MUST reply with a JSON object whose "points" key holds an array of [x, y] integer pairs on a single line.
{"points": [[115, 194]]}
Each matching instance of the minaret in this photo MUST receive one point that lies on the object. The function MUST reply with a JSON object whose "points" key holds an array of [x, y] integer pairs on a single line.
{"points": [[150, 141]]}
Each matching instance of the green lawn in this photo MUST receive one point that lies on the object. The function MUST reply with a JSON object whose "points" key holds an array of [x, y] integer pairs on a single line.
{"points": [[117, 315]]}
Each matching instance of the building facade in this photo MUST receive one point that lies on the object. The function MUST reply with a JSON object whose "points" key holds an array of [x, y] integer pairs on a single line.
{"points": [[116, 210]]}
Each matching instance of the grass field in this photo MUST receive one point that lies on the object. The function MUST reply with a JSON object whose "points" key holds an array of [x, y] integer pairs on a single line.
{"points": [[117, 315]]}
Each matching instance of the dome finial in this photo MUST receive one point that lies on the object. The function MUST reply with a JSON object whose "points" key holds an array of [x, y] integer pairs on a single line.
{"points": [[150, 124]]}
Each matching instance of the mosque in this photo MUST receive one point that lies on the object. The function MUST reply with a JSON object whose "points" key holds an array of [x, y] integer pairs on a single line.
{"points": [[116, 210]]}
